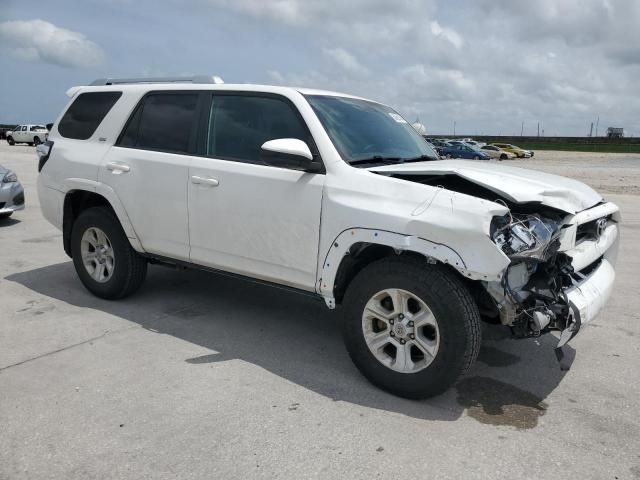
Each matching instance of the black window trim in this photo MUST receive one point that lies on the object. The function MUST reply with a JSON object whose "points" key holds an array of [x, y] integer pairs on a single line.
{"points": [[193, 135], [197, 142]]}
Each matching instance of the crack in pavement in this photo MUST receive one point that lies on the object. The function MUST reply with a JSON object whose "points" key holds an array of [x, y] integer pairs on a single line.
{"points": [[68, 347]]}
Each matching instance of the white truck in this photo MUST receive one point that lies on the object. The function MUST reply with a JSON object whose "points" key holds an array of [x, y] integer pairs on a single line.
{"points": [[31, 134], [329, 195]]}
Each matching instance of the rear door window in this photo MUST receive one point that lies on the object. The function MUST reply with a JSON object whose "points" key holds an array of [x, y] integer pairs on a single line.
{"points": [[85, 114], [163, 122]]}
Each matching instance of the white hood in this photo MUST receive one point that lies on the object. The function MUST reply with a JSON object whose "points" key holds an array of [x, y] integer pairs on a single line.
{"points": [[518, 185]]}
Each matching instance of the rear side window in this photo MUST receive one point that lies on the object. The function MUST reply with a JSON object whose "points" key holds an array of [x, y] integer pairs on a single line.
{"points": [[162, 121], [85, 114], [239, 125]]}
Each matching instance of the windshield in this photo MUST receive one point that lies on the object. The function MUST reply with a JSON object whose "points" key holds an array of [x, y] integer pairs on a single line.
{"points": [[365, 131]]}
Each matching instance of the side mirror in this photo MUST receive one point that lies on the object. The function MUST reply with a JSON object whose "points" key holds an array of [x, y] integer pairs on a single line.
{"points": [[289, 153]]}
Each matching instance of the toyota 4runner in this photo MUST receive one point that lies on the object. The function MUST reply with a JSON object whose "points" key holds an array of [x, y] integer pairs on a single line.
{"points": [[331, 195]]}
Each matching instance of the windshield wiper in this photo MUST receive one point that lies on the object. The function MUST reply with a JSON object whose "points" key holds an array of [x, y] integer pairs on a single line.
{"points": [[378, 159], [421, 158]]}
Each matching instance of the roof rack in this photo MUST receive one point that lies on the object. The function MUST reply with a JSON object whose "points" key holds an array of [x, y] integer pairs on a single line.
{"points": [[194, 79]]}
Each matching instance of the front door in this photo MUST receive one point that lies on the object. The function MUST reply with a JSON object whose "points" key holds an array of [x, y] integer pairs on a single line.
{"points": [[247, 217]]}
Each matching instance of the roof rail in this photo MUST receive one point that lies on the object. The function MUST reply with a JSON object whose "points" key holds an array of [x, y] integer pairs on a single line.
{"points": [[193, 79]]}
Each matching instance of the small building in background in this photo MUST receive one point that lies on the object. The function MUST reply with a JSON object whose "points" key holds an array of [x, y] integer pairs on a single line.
{"points": [[615, 132]]}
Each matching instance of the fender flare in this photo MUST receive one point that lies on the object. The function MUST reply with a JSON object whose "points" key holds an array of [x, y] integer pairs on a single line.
{"points": [[342, 244], [71, 184]]}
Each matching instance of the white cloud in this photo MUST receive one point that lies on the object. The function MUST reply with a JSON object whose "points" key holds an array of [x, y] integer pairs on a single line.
{"points": [[38, 40], [448, 34], [345, 60]]}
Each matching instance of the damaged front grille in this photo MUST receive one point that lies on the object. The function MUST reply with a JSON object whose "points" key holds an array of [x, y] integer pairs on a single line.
{"points": [[592, 230]]}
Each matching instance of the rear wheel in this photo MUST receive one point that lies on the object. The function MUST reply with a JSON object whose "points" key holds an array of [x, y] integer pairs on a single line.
{"points": [[410, 327], [5, 215], [503, 156], [476, 157], [36, 141], [103, 257]]}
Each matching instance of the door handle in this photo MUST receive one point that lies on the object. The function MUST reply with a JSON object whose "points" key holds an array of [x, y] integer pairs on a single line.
{"points": [[210, 182], [118, 168]]}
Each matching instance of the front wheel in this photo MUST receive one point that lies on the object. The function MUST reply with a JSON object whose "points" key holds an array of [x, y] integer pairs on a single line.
{"points": [[11, 141], [36, 141], [410, 327], [103, 257], [476, 157], [503, 157]]}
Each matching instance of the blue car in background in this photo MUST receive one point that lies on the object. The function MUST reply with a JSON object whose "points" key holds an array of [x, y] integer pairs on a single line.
{"points": [[461, 150]]}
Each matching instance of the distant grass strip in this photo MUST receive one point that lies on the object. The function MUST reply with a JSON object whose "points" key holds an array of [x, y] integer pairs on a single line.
{"points": [[582, 147]]}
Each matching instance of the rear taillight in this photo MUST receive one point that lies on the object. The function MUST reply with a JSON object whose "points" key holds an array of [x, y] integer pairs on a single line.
{"points": [[43, 151]]}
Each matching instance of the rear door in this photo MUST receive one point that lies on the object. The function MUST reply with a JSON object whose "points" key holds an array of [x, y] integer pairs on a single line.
{"points": [[149, 167], [245, 216]]}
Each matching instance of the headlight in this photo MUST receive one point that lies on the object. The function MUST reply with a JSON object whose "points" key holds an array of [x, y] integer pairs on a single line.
{"points": [[524, 236], [10, 177]]}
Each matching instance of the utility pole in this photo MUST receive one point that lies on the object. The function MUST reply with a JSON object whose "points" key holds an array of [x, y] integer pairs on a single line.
{"points": [[454, 128], [538, 128], [597, 123], [522, 128], [591, 131]]}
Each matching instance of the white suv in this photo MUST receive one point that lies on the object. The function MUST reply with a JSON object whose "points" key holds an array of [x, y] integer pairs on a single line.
{"points": [[332, 195]]}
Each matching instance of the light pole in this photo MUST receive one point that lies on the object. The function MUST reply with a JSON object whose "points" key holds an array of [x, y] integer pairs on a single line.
{"points": [[454, 128]]}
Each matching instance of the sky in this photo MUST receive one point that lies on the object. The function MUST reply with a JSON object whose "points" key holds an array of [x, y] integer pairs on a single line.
{"points": [[485, 65]]}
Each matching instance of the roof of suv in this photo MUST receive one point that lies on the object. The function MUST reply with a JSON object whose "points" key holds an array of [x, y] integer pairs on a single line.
{"points": [[145, 87]]}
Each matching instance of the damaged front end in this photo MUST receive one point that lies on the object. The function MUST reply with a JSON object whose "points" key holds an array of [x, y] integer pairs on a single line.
{"points": [[560, 272]]}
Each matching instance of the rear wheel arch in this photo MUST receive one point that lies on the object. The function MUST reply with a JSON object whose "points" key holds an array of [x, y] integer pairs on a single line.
{"points": [[75, 202], [78, 199]]}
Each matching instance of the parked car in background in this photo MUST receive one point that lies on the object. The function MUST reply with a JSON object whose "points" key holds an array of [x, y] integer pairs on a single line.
{"points": [[438, 144], [11, 193], [519, 152], [31, 134], [496, 152], [462, 150], [475, 143], [4, 131]]}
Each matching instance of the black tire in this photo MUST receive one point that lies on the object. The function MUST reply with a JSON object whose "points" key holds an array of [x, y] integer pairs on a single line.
{"points": [[5, 215], [130, 268], [10, 141], [452, 305], [503, 156], [36, 141]]}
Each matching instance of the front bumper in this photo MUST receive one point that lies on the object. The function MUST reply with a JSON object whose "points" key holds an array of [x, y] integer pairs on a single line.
{"points": [[11, 197]]}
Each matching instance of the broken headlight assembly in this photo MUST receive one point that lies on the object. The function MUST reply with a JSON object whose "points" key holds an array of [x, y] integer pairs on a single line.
{"points": [[522, 236], [529, 296]]}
